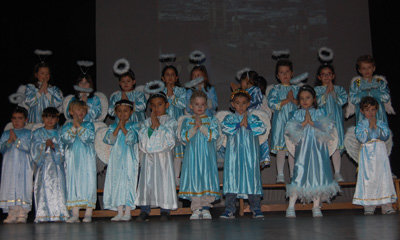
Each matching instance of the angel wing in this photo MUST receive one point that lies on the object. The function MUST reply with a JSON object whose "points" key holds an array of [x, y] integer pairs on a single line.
{"points": [[104, 105], [269, 88], [221, 141], [65, 104], [102, 149], [29, 126], [179, 128], [266, 119], [19, 97]]}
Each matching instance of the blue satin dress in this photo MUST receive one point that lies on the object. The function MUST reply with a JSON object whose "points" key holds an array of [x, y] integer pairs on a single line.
{"points": [[374, 179], [139, 100], [176, 109], [377, 88], [199, 175], [49, 187], [212, 101], [242, 156], [156, 186], [332, 103], [281, 114], [94, 108], [16, 171], [80, 165], [37, 101], [312, 174], [123, 167]]}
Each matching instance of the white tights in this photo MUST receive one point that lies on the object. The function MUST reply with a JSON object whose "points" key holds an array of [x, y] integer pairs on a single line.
{"points": [[336, 160], [280, 162]]}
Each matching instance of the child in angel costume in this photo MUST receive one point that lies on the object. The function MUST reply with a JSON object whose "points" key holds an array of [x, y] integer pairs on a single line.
{"points": [[311, 138], [156, 186], [199, 181], [242, 175], [374, 179], [332, 98], [17, 170], [123, 165], [80, 162], [48, 155], [127, 84]]}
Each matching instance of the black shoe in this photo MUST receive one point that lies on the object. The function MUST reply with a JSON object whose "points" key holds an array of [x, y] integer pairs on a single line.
{"points": [[143, 217], [164, 216]]}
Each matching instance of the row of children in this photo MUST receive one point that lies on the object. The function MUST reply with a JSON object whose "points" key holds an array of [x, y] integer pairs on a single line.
{"points": [[306, 132]]}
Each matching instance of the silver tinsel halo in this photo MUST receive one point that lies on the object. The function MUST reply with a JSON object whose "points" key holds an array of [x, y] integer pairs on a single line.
{"points": [[154, 87], [325, 54], [299, 78], [41, 52], [167, 58], [241, 71], [278, 54], [197, 57], [81, 89], [121, 66], [194, 82]]}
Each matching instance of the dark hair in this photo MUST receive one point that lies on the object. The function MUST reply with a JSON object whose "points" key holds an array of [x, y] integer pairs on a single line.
{"points": [[240, 93], [36, 68], [262, 84], [158, 95], [21, 110], [50, 112], [366, 59], [124, 102], [203, 69], [308, 88], [280, 63], [196, 94], [252, 75], [176, 73], [129, 73], [89, 79], [320, 68], [368, 101]]}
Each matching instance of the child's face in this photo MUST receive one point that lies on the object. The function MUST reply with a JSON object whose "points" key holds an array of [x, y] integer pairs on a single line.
{"points": [[18, 120], [43, 74], [50, 122], [369, 111], [78, 112], [245, 83], [84, 83], [306, 99], [366, 70], [198, 73], [240, 104], [158, 106], [198, 105], [285, 74], [326, 76], [126, 83], [169, 77], [123, 112]]}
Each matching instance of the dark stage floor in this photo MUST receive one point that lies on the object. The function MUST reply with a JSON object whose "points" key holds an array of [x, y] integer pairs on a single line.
{"points": [[349, 224]]}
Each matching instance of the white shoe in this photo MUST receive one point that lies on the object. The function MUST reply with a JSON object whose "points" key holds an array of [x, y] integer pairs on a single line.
{"points": [[87, 219], [206, 214], [316, 212], [338, 177], [117, 218], [280, 178], [290, 212], [195, 215], [73, 220], [126, 218]]}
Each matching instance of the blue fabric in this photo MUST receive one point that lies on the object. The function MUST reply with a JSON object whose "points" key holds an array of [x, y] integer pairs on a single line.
{"points": [[230, 202], [16, 171], [256, 97], [211, 98], [123, 167], [37, 102], [80, 162], [199, 174], [312, 174], [281, 114], [49, 186], [377, 88], [94, 108], [332, 103], [139, 100], [242, 156]]}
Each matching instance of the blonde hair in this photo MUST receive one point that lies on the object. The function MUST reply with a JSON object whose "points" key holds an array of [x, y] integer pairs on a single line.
{"points": [[197, 94], [78, 104]]}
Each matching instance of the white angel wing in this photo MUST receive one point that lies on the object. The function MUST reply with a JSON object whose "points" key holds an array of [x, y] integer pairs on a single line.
{"points": [[179, 128], [102, 149], [221, 141], [104, 105], [349, 110], [388, 107], [19, 97], [65, 104], [267, 122], [351, 144], [27, 126], [389, 144], [140, 88], [269, 87]]}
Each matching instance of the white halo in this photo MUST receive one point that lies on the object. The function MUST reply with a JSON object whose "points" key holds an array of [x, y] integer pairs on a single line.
{"points": [[81, 89], [41, 52], [325, 54], [84, 63], [194, 82], [241, 71], [167, 58], [154, 87], [197, 57], [280, 53], [299, 78], [125, 66]]}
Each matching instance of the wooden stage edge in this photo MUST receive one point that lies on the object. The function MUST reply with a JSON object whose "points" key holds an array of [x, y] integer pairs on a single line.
{"points": [[243, 208]]}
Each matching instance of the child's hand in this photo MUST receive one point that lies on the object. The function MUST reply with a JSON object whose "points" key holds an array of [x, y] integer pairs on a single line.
{"points": [[329, 88], [43, 87], [155, 123], [12, 137], [372, 123], [244, 122], [197, 122], [170, 90], [123, 96], [76, 122], [307, 119], [49, 143]]}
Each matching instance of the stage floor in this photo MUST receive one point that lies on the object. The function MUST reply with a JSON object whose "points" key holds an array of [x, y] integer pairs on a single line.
{"points": [[345, 224]]}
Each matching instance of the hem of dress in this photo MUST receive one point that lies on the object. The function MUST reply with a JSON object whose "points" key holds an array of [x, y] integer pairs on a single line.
{"points": [[307, 195]]}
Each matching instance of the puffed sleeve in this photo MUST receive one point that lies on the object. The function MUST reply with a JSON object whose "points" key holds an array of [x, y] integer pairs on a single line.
{"points": [[109, 137], [56, 96], [85, 133], [211, 131], [31, 95], [255, 125], [161, 140], [113, 99], [179, 98], [140, 102], [94, 108], [362, 131], [187, 130], [355, 93], [132, 136], [230, 124], [341, 95], [23, 141], [274, 102], [3, 141], [256, 98], [382, 92], [321, 96], [38, 147]]}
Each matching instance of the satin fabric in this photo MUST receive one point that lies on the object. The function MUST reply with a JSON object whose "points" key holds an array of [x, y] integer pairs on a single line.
{"points": [[281, 114], [256, 97], [332, 103], [177, 105], [37, 101], [312, 173], [139, 100], [17, 171], [123, 167], [157, 179], [49, 186], [212, 101], [199, 174], [80, 165], [377, 89], [374, 179], [242, 156], [94, 108]]}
